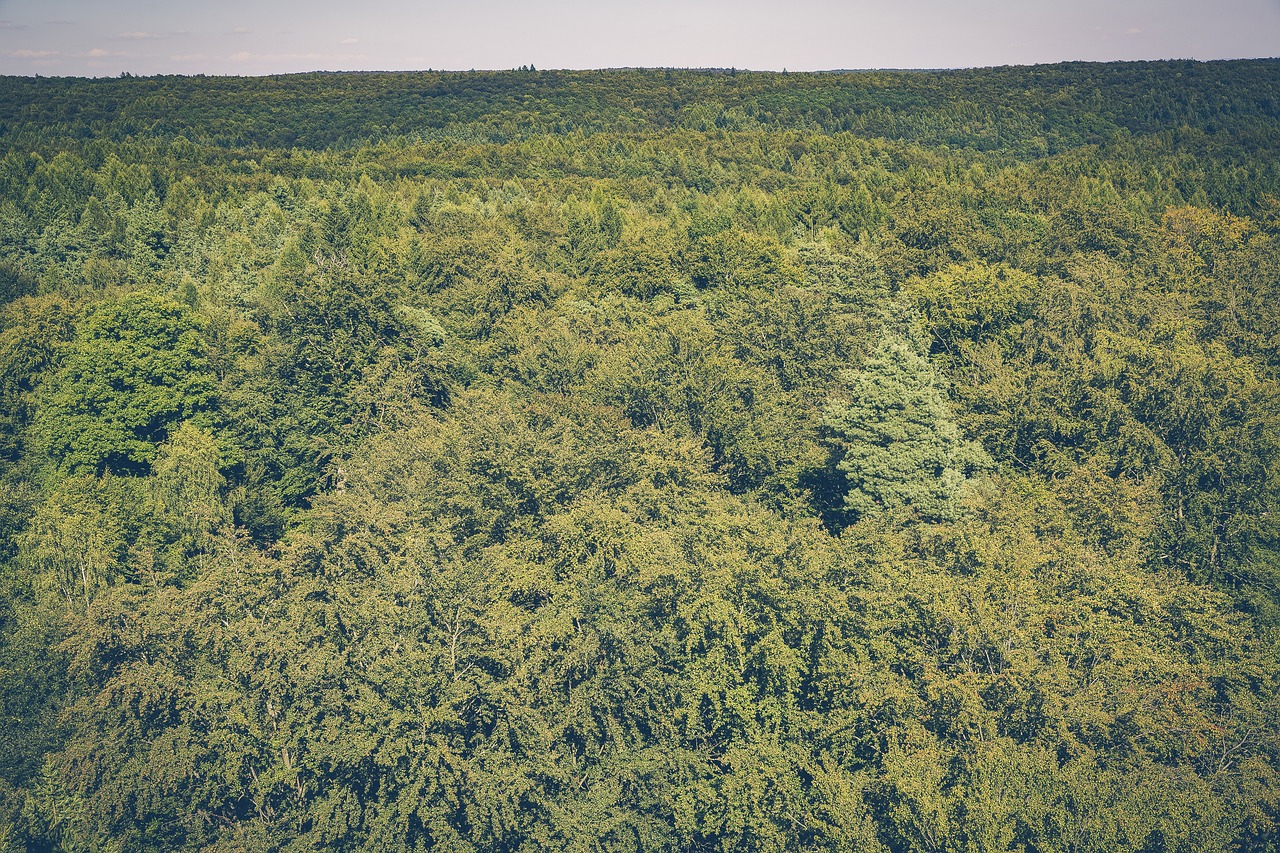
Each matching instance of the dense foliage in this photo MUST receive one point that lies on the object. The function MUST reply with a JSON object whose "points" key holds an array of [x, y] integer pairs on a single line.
{"points": [[642, 460]]}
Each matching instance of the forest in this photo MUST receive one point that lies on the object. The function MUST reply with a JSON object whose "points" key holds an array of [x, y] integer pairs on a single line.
{"points": [[642, 460]]}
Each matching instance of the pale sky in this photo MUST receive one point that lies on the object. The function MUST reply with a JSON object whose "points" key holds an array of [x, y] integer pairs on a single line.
{"points": [[107, 37]]}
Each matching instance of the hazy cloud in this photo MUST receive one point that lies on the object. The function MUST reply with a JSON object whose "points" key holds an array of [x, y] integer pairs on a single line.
{"points": [[246, 56], [33, 54], [139, 36], [349, 41], [10, 25]]}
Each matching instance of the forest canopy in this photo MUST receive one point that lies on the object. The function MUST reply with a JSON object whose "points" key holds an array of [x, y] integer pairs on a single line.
{"points": [[642, 460]]}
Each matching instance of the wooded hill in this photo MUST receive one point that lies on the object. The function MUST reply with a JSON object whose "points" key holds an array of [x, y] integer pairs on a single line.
{"points": [[642, 460]]}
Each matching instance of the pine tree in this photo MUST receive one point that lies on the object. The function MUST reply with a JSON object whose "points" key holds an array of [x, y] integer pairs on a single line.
{"points": [[894, 438]]}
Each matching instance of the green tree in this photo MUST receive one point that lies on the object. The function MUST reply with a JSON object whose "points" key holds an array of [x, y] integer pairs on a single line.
{"points": [[894, 439], [73, 545], [187, 493], [136, 367]]}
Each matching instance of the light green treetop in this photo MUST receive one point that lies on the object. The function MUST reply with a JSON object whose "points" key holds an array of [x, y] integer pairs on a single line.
{"points": [[895, 439]]}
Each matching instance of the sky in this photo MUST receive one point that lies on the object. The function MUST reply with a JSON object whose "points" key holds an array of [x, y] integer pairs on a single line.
{"points": [[107, 37]]}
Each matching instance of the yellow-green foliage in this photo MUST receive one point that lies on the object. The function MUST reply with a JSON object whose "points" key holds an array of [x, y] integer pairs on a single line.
{"points": [[642, 460]]}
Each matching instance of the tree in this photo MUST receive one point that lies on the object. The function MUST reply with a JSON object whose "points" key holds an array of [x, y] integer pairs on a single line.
{"points": [[894, 438], [186, 490], [136, 367], [73, 544]]}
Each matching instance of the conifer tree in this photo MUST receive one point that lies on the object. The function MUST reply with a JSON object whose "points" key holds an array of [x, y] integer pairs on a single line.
{"points": [[895, 440]]}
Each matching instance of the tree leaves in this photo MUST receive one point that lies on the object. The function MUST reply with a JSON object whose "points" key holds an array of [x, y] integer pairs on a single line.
{"points": [[136, 368], [895, 441], [466, 490]]}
